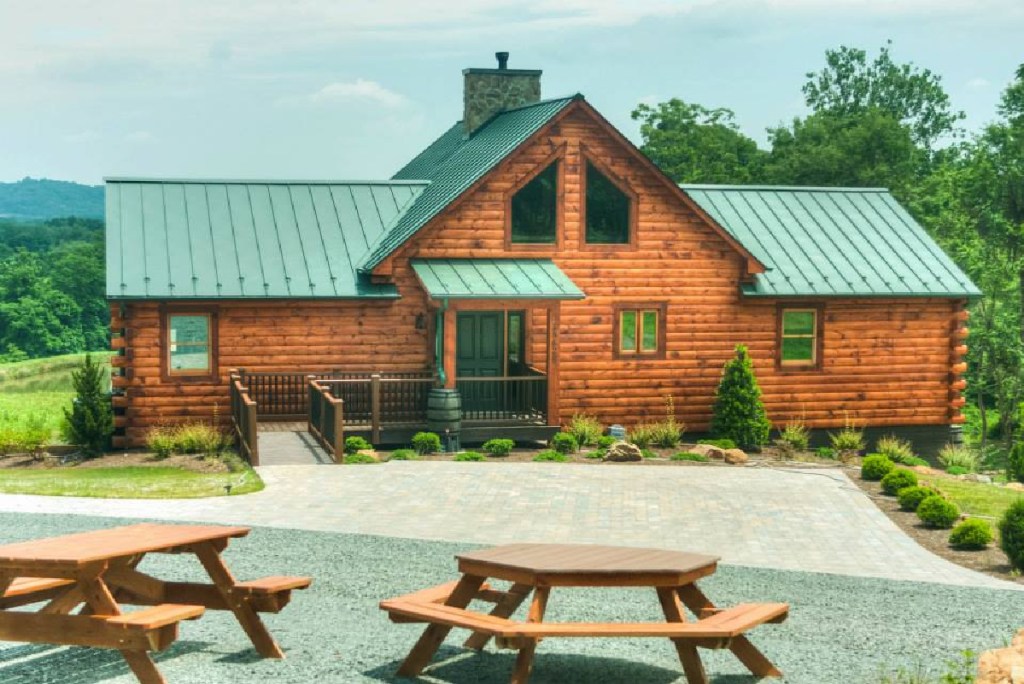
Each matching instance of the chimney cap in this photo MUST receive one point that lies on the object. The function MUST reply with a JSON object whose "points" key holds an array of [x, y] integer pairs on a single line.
{"points": [[502, 58]]}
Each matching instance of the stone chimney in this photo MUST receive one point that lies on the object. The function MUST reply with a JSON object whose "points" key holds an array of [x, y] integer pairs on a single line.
{"points": [[489, 91]]}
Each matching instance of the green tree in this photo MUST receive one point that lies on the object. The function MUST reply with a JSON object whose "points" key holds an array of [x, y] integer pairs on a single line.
{"points": [[694, 144], [77, 270], [89, 423], [849, 85], [738, 412], [35, 317]]}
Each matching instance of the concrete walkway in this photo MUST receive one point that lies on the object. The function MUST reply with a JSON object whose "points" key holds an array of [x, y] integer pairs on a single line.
{"points": [[817, 521]]}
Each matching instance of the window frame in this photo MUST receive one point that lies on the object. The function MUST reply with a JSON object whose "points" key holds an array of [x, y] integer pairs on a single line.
{"points": [[660, 308], [558, 155], [818, 336], [587, 157], [169, 375]]}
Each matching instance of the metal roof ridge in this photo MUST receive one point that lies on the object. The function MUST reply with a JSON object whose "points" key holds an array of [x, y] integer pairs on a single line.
{"points": [[776, 188], [258, 181]]}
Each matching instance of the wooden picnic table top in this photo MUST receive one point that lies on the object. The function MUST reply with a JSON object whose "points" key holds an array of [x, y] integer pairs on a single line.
{"points": [[75, 550], [587, 564]]}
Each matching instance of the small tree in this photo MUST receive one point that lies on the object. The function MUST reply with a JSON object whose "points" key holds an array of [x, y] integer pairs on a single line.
{"points": [[739, 413], [90, 422]]}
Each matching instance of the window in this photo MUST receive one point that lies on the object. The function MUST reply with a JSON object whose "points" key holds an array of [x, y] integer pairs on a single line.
{"points": [[798, 338], [608, 210], [640, 331], [534, 209], [189, 344]]}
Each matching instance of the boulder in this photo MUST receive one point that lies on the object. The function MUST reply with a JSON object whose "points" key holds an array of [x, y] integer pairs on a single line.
{"points": [[1016, 486], [708, 450], [623, 451], [1003, 665], [735, 456]]}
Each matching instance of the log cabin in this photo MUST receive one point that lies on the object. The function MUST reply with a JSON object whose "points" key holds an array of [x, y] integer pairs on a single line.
{"points": [[536, 261]]}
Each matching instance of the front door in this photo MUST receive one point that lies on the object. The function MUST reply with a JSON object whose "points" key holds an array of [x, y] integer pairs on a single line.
{"points": [[480, 353]]}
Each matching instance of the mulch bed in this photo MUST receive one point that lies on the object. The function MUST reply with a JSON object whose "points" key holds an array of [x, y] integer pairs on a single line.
{"points": [[195, 463], [991, 561]]}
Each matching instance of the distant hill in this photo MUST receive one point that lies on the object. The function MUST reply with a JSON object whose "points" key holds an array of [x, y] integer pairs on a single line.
{"points": [[32, 198]]}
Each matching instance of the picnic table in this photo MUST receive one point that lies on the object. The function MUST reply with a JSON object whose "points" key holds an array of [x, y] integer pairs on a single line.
{"points": [[537, 568], [99, 571]]}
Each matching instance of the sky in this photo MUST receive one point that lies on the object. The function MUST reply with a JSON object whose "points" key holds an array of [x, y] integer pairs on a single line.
{"points": [[352, 89]]}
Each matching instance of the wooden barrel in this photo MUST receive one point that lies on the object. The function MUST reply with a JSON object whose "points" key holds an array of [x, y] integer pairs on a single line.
{"points": [[444, 411]]}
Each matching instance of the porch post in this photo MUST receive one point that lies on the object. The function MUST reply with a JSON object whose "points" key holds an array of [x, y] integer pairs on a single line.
{"points": [[554, 314], [448, 352]]}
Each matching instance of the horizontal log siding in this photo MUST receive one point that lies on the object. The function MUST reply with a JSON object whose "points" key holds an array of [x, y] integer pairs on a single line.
{"points": [[886, 362]]}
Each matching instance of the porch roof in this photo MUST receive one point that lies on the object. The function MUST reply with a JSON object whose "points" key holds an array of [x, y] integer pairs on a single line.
{"points": [[494, 279]]}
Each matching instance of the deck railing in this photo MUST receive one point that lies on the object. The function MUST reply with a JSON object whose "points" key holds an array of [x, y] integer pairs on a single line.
{"points": [[243, 420], [326, 419], [521, 398], [374, 401]]}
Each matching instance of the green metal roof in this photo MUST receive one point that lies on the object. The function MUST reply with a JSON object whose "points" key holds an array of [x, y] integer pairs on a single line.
{"points": [[198, 239], [494, 279], [832, 242], [454, 162]]}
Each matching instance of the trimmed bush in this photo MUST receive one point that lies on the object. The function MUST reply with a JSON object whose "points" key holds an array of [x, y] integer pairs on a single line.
{"points": [[915, 461], [551, 456], [898, 479], [470, 456], [825, 452], [498, 447], [959, 456], [911, 497], [354, 444], [585, 428], [403, 455], [358, 459], [1011, 533], [720, 443], [564, 443], [972, 534], [935, 511], [90, 422], [689, 456], [738, 413], [605, 441], [426, 443], [875, 467]]}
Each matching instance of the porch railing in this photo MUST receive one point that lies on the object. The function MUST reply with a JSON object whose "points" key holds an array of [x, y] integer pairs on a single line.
{"points": [[243, 421], [377, 400], [326, 420], [521, 398]]}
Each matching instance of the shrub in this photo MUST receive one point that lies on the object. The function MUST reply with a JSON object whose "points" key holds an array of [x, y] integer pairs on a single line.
{"points": [[403, 455], [911, 497], [957, 470], [668, 432], [795, 435], [551, 455], [564, 443], [1011, 533], [426, 443], [498, 447], [898, 450], [586, 429], [596, 453], [915, 461], [689, 456], [958, 456], [898, 479], [935, 511], [90, 422], [357, 459], [972, 534], [1015, 462], [720, 443], [875, 467], [825, 452], [738, 413], [850, 438], [647, 453], [641, 435], [470, 456], [354, 444], [188, 438], [605, 441], [160, 441]]}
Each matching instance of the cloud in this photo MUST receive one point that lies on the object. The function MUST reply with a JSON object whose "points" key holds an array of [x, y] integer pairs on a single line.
{"points": [[359, 90], [979, 83]]}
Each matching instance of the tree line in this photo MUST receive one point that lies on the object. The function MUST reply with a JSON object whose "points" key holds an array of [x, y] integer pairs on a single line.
{"points": [[52, 298], [874, 122]]}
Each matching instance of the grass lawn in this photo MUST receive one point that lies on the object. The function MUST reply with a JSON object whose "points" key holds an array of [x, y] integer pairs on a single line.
{"points": [[973, 498], [127, 483]]}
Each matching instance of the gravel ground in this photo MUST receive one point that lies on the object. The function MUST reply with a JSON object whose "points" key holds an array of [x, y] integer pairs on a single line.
{"points": [[841, 629]]}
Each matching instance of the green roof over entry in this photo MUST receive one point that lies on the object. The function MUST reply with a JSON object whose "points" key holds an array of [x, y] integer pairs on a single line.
{"points": [[832, 242], [186, 239], [494, 279]]}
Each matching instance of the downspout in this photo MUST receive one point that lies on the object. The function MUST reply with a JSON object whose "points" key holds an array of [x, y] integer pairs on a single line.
{"points": [[439, 342]]}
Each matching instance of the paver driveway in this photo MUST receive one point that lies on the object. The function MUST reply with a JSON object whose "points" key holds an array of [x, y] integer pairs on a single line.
{"points": [[817, 521]]}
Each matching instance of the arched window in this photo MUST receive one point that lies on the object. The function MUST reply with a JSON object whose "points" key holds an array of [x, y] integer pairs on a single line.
{"points": [[535, 209]]}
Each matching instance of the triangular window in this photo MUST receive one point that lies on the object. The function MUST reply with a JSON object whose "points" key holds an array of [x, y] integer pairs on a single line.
{"points": [[535, 209], [608, 210]]}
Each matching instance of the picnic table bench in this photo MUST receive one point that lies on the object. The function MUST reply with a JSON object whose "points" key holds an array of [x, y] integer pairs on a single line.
{"points": [[98, 571], [536, 568]]}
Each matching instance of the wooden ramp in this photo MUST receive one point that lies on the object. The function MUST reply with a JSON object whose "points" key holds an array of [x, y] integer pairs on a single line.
{"points": [[289, 444]]}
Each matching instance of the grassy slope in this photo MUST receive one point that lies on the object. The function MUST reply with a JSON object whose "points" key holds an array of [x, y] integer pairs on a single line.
{"points": [[973, 498], [127, 483]]}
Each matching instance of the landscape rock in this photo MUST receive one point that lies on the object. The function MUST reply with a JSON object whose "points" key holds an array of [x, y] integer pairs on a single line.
{"points": [[708, 450], [623, 451], [735, 456], [1003, 665], [1016, 486]]}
